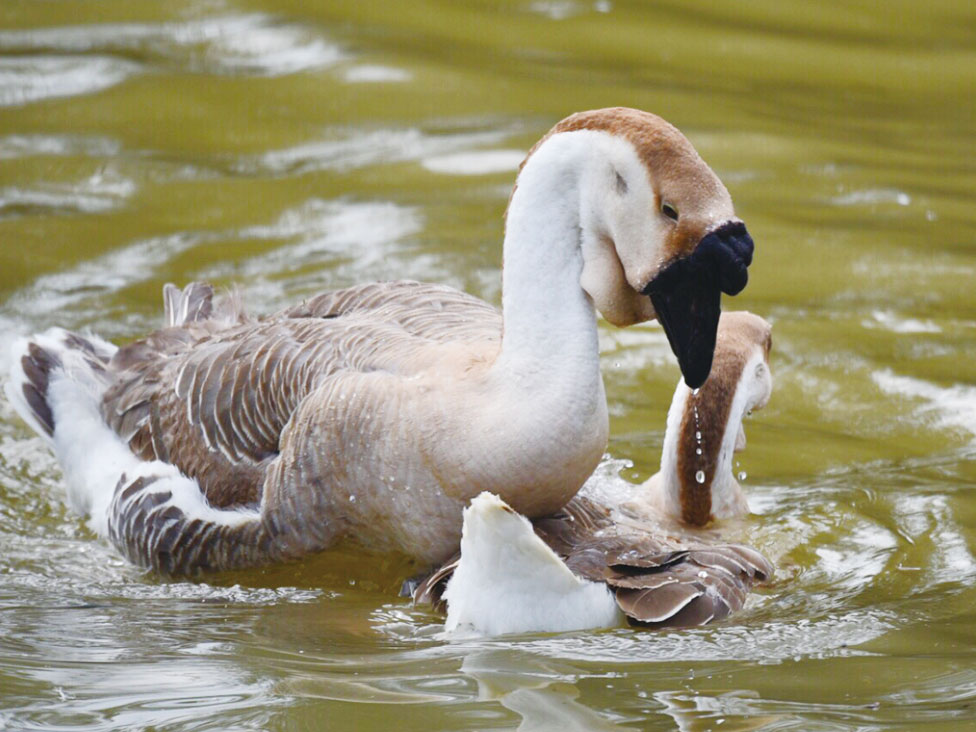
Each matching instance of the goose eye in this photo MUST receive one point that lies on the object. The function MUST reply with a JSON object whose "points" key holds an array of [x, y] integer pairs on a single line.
{"points": [[670, 211]]}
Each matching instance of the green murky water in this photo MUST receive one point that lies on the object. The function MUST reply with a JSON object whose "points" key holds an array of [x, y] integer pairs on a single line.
{"points": [[292, 146]]}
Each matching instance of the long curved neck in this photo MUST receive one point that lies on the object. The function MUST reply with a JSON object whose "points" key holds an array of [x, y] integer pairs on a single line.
{"points": [[696, 483], [547, 315], [541, 403]]}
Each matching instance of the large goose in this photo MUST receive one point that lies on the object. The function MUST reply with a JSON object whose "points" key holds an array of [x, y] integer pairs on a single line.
{"points": [[588, 566], [376, 413]]}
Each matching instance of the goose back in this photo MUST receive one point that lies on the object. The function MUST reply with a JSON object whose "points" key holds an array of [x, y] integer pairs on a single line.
{"points": [[212, 392]]}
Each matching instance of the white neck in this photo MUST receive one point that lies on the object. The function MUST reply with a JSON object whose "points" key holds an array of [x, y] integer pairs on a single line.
{"points": [[548, 318], [542, 404]]}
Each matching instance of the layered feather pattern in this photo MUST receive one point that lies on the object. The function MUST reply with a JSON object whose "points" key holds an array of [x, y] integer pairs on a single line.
{"points": [[212, 394]]}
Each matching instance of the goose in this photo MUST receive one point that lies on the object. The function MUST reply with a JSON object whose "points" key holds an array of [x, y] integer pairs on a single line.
{"points": [[374, 414], [588, 566]]}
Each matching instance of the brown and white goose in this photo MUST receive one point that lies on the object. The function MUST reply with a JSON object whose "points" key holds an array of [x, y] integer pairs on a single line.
{"points": [[590, 566], [376, 413]]}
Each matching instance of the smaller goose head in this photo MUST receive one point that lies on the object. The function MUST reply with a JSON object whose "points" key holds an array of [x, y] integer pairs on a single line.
{"points": [[696, 484], [660, 238]]}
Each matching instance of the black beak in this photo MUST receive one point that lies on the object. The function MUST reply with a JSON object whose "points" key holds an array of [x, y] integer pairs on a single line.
{"points": [[687, 296]]}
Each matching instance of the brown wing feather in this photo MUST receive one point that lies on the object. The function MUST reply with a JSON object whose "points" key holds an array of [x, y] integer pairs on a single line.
{"points": [[694, 586], [212, 392], [430, 589], [656, 604]]}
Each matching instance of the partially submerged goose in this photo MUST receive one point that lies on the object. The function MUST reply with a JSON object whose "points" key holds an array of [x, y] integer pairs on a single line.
{"points": [[377, 412], [588, 566]]}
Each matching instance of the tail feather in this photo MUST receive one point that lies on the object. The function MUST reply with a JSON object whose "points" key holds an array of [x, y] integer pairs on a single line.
{"points": [[195, 304], [189, 305], [157, 517], [508, 580], [36, 366], [53, 374], [36, 361]]}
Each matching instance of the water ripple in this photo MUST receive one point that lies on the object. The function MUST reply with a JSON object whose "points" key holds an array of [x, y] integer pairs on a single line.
{"points": [[952, 406], [27, 79], [375, 74], [13, 147], [323, 229], [482, 162], [352, 149], [254, 44], [98, 193]]}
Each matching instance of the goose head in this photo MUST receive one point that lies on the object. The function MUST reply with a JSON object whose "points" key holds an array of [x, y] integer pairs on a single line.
{"points": [[696, 483], [659, 235]]}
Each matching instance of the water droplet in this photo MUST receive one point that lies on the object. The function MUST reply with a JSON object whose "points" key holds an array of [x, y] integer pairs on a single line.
{"points": [[700, 476], [698, 451], [695, 392], [698, 436], [742, 475]]}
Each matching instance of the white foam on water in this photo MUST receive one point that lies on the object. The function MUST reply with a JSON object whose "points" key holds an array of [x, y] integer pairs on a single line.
{"points": [[606, 485], [203, 592], [739, 639]]}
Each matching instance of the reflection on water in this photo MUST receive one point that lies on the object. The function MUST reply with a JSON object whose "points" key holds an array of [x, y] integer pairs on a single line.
{"points": [[294, 146], [541, 693]]}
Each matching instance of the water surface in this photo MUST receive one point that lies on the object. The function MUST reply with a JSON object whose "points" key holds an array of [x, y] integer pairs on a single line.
{"points": [[294, 146]]}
